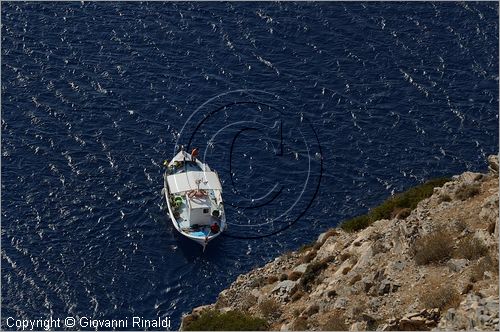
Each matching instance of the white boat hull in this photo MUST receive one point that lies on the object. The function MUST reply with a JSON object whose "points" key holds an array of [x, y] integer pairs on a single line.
{"points": [[179, 184]]}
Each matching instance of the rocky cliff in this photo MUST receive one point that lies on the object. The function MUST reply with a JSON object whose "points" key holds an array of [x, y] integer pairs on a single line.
{"points": [[433, 268]]}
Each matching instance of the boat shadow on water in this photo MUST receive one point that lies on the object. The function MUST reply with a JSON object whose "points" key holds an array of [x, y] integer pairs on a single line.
{"points": [[192, 251]]}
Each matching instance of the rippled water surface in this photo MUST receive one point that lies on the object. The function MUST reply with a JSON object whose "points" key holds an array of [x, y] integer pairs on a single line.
{"points": [[311, 113]]}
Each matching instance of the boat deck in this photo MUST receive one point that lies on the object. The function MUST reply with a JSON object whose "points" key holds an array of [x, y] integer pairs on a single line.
{"points": [[182, 221]]}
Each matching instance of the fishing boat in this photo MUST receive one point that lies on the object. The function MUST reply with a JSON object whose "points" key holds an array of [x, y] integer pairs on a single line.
{"points": [[194, 198]]}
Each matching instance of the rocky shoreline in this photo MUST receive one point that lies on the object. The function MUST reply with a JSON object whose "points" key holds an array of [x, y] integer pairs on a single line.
{"points": [[434, 268]]}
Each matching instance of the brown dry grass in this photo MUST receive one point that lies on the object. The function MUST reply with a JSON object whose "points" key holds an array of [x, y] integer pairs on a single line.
{"points": [[336, 322], [294, 275], [467, 191], [485, 264], [299, 324], [308, 257], [433, 247], [272, 279], [439, 294], [297, 295], [247, 301], [270, 309], [470, 248]]}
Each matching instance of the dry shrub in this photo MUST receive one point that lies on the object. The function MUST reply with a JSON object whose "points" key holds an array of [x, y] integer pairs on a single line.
{"points": [[297, 295], [444, 198], [467, 288], [313, 270], [355, 279], [294, 275], [257, 282], [306, 247], [439, 294], [308, 257], [283, 277], [336, 322], [272, 279], [491, 226], [357, 310], [433, 247], [313, 309], [471, 248], [346, 270], [296, 311], [345, 255], [400, 213], [299, 324], [332, 293], [270, 309], [329, 233], [485, 264], [467, 191], [247, 301], [460, 225]]}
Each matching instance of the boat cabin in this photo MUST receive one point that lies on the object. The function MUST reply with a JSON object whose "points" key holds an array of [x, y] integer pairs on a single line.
{"points": [[199, 210]]}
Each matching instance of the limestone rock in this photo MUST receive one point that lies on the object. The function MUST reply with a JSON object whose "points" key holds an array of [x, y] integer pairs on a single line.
{"points": [[200, 309], [387, 286], [284, 288], [489, 209], [367, 284], [493, 164], [418, 321], [358, 326], [300, 268], [399, 265], [457, 265], [474, 313], [285, 327], [340, 303], [470, 177], [321, 237]]}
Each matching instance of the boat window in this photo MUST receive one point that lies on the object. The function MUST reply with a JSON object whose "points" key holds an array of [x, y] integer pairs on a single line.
{"points": [[205, 211]]}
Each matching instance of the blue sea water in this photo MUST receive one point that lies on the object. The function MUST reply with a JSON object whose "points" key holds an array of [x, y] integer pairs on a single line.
{"points": [[310, 112]]}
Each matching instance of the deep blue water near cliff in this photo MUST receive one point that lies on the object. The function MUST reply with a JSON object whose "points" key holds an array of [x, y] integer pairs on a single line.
{"points": [[368, 99]]}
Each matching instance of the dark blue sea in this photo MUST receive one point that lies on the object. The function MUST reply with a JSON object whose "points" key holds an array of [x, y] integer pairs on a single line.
{"points": [[311, 113]]}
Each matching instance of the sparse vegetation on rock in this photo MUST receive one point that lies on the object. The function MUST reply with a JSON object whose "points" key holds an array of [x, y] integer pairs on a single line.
{"points": [[439, 295], [336, 322], [269, 308], [313, 270], [294, 275], [299, 324], [467, 191], [433, 247], [214, 320], [405, 201], [470, 248], [426, 259]]}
